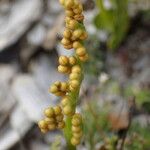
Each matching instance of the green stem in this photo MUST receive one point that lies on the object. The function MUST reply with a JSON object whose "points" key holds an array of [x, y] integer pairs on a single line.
{"points": [[74, 98], [68, 134]]}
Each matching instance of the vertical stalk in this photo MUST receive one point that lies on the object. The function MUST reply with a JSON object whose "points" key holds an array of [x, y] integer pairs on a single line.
{"points": [[74, 35], [74, 98], [68, 134]]}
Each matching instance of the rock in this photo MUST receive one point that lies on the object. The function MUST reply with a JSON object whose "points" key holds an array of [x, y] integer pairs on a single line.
{"points": [[142, 80], [20, 125], [7, 73], [31, 90], [142, 119], [54, 7], [37, 35], [55, 140], [89, 16], [30, 96], [45, 72], [7, 101], [52, 34], [62, 51], [38, 145], [4, 8], [142, 63], [144, 46], [48, 20], [52, 136], [136, 6], [19, 121], [8, 139], [23, 13], [115, 68]]}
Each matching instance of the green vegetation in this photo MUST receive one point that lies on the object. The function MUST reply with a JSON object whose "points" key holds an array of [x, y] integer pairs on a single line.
{"points": [[114, 20]]}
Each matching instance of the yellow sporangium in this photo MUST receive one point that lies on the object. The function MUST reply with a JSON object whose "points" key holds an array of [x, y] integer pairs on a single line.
{"points": [[77, 33], [59, 88], [72, 60], [76, 129], [63, 60], [54, 119]]}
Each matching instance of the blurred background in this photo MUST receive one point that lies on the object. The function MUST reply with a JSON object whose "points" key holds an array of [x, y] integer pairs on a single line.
{"points": [[115, 96]]}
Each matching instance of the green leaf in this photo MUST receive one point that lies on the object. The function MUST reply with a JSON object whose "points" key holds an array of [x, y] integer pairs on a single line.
{"points": [[104, 20], [115, 21]]}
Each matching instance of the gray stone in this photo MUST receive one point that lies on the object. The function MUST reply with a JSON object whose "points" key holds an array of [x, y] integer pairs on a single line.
{"points": [[54, 7], [38, 145], [22, 14], [20, 121], [142, 119], [10, 138], [45, 71], [62, 51], [30, 96], [7, 73], [37, 35]]}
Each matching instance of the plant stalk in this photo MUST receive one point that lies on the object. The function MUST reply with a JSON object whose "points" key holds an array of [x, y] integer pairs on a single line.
{"points": [[74, 98]]}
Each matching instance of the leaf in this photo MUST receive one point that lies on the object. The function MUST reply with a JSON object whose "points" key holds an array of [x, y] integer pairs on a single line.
{"points": [[142, 96], [115, 21], [104, 20]]}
